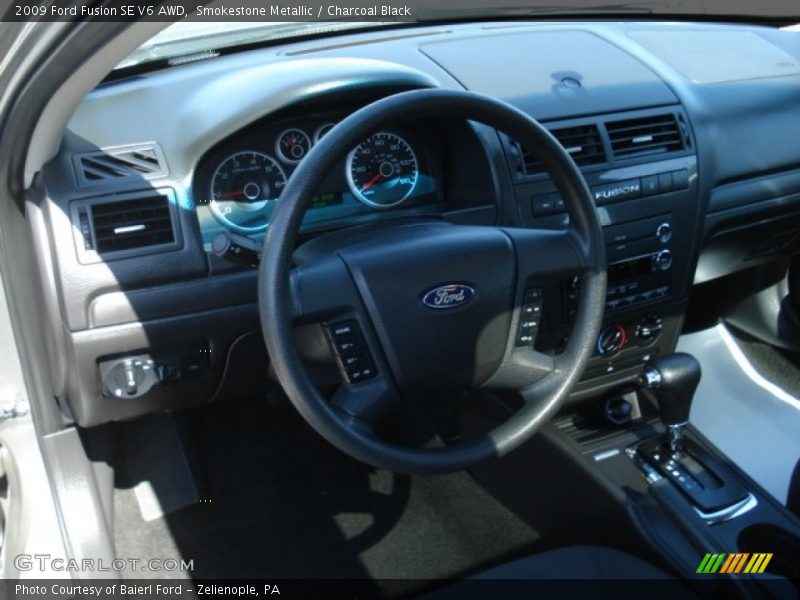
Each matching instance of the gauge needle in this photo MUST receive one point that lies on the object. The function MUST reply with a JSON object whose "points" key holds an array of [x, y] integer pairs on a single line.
{"points": [[235, 193], [371, 182]]}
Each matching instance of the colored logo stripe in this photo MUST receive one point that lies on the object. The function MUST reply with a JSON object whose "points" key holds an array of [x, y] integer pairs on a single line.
{"points": [[734, 563], [723, 562], [732, 558], [711, 563], [758, 563]]}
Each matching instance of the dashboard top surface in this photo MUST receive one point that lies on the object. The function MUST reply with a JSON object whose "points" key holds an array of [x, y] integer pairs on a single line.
{"points": [[617, 66]]}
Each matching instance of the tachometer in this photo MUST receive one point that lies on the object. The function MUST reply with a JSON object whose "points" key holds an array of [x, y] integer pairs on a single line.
{"points": [[382, 171], [244, 189]]}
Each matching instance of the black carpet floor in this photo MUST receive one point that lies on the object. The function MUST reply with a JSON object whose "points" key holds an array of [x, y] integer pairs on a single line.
{"points": [[279, 502]]}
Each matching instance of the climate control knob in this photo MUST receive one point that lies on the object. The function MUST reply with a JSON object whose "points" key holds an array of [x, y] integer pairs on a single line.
{"points": [[611, 339], [649, 327], [663, 260]]}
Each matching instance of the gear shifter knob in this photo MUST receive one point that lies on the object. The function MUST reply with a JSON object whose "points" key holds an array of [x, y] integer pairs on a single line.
{"points": [[673, 379]]}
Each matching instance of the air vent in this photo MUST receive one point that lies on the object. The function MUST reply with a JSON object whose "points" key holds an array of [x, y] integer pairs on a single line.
{"points": [[658, 134], [130, 224], [123, 163], [583, 144]]}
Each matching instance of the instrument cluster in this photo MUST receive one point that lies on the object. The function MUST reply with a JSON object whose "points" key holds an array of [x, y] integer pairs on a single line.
{"points": [[239, 182]]}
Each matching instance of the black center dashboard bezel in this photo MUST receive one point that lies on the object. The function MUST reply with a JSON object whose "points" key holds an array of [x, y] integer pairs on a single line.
{"points": [[630, 214]]}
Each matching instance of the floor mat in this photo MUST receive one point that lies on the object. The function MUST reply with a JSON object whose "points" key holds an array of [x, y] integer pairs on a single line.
{"points": [[277, 501]]}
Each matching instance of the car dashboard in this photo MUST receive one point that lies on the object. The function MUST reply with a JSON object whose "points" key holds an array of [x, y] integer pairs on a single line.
{"points": [[692, 163]]}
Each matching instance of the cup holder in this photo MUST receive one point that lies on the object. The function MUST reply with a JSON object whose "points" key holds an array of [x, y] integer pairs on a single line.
{"points": [[784, 546]]}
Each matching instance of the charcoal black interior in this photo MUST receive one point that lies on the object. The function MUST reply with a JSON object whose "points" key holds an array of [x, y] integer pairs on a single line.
{"points": [[264, 349]]}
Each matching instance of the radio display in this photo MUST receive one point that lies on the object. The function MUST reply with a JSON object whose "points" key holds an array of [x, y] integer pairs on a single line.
{"points": [[629, 269]]}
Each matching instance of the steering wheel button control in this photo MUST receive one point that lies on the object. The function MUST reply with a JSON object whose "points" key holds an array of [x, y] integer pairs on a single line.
{"points": [[543, 205], [344, 329], [363, 369], [533, 295], [351, 351], [351, 360], [532, 302], [356, 375], [345, 346]]}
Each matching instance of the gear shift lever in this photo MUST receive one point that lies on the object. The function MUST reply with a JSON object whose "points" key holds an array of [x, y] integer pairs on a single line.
{"points": [[673, 379], [704, 479]]}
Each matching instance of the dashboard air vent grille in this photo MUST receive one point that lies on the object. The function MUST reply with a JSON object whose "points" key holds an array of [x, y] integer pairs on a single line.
{"points": [[144, 161], [657, 134], [131, 224], [583, 143]]}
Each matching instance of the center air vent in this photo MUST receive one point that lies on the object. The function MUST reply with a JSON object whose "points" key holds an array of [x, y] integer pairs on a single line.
{"points": [[124, 163], [583, 144], [657, 134], [130, 224]]}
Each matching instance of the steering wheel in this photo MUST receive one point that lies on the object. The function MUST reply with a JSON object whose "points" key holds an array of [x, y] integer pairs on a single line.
{"points": [[379, 288]]}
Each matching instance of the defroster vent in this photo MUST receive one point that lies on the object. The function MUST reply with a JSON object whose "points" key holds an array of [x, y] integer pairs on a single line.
{"points": [[120, 164]]}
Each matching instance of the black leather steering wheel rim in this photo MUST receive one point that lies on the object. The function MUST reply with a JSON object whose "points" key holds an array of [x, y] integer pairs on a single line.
{"points": [[277, 304]]}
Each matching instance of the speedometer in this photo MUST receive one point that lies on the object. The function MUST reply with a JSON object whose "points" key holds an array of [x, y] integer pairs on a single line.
{"points": [[382, 171], [244, 189]]}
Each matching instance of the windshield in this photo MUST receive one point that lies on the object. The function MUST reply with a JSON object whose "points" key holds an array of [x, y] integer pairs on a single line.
{"points": [[183, 40], [190, 40]]}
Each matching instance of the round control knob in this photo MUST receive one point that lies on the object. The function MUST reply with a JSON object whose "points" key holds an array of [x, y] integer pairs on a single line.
{"points": [[129, 377], [664, 232], [649, 327], [663, 260], [611, 339]]}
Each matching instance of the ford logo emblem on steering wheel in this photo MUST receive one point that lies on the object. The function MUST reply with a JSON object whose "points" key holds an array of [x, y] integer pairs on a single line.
{"points": [[451, 295]]}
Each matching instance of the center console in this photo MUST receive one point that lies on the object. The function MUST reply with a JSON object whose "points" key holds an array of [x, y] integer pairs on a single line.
{"points": [[642, 172], [696, 509], [684, 497]]}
